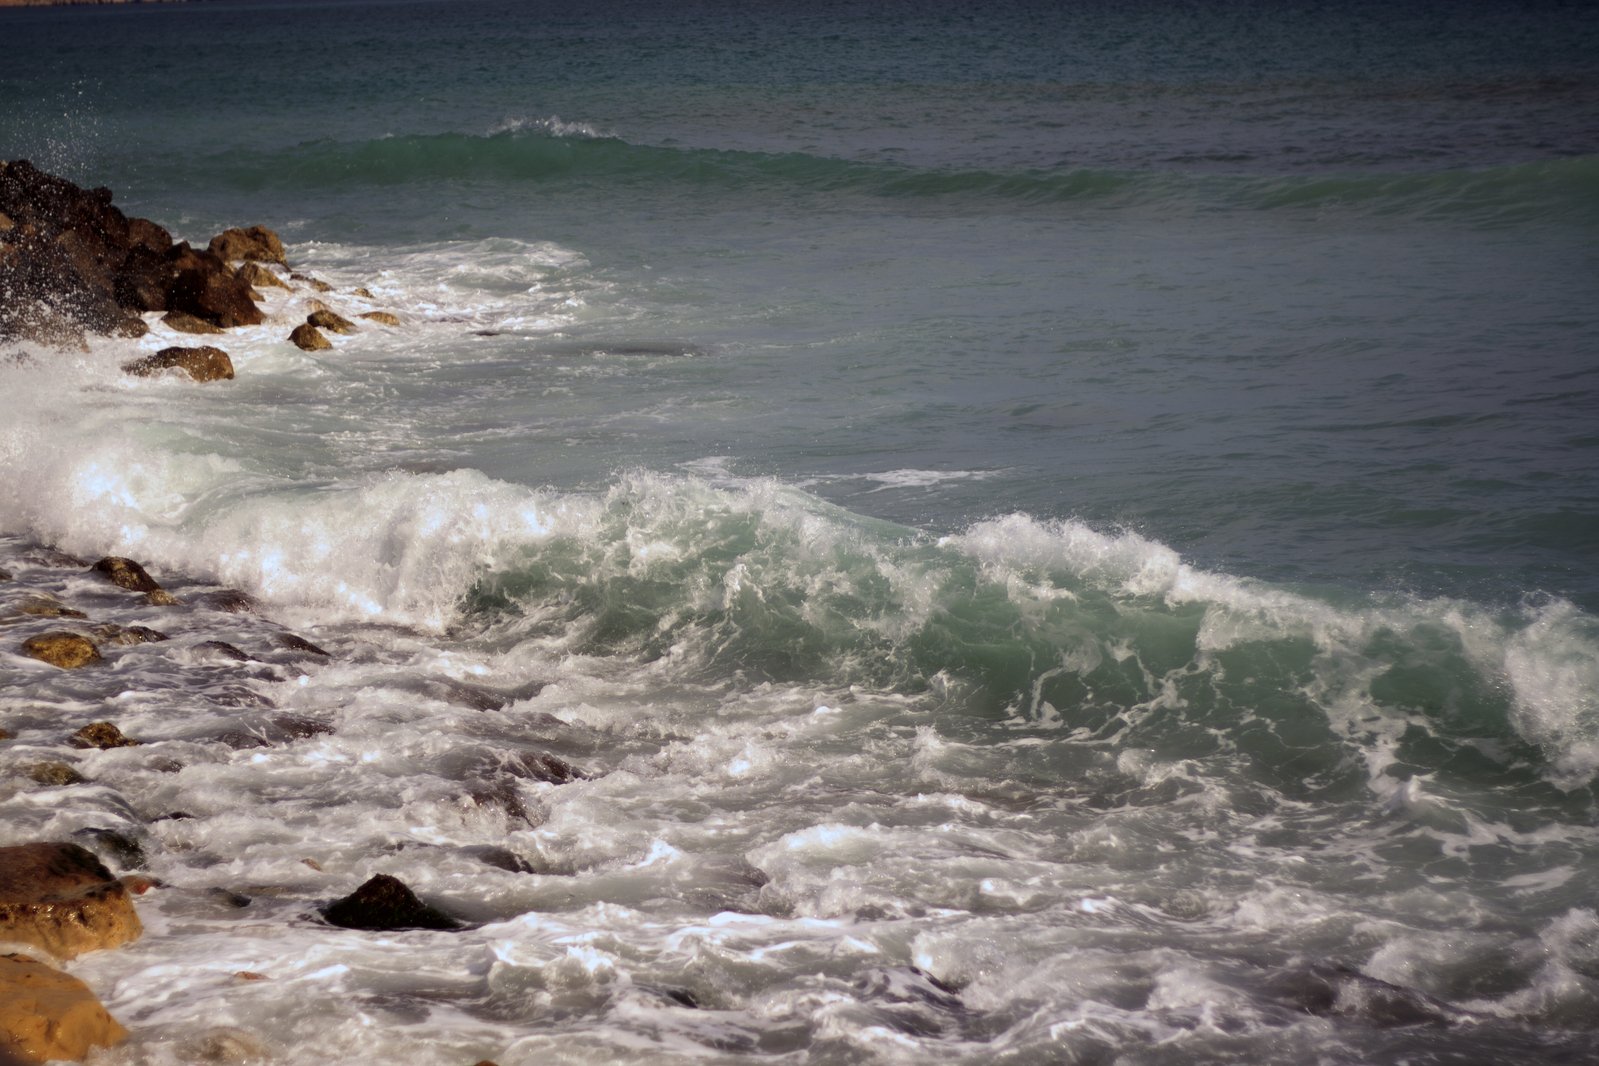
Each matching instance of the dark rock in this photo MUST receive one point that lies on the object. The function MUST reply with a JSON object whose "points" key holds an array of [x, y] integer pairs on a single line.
{"points": [[6, 734], [383, 903], [40, 605], [55, 775], [502, 793], [5, 575], [119, 847], [306, 338], [161, 598], [221, 649], [330, 321], [382, 318], [362, 291], [232, 899], [297, 727], [101, 735], [184, 322], [55, 559], [315, 283], [130, 328], [69, 651], [61, 899], [126, 574], [543, 766], [297, 643], [500, 858], [229, 601], [204, 363], [122, 636], [256, 243], [242, 741], [206, 287]]}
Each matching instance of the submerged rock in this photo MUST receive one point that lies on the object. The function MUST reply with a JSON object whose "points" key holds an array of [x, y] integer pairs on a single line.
{"points": [[61, 899], [119, 848], [307, 338], [122, 636], [297, 643], [382, 903], [255, 243], [41, 605], [204, 363], [126, 574], [69, 651], [543, 766], [55, 774], [102, 735], [382, 318], [316, 283], [230, 601], [46, 1015]]}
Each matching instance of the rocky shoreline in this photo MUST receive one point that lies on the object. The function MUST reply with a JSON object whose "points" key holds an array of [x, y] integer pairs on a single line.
{"points": [[72, 265]]}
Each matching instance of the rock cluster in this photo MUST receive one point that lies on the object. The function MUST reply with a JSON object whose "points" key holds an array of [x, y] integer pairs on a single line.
{"points": [[72, 263]]}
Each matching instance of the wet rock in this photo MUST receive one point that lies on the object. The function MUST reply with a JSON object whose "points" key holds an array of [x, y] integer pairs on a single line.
{"points": [[229, 601], [55, 775], [382, 318], [328, 320], [503, 794], [40, 605], [204, 363], [114, 846], [130, 328], [297, 727], [383, 903], [363, 292], [297, 643], [102, 735], [126, 574], [46, 1015], [543, 766], [308, 339], [259, 277], [206, 287], [223, 1045], [253, 243], [5, 575], [123, 636], [221, 649], [184, 322], [60, 898], [231, 899], [69, 651], [55, 559], [1345, 992], [500, 858], [242, 741], [315, 283], [6, 734]]}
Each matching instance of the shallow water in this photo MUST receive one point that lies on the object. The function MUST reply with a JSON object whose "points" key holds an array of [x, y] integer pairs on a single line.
{"points": [[1054, 534]]}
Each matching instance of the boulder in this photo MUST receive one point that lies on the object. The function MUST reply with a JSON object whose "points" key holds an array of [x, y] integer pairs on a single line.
{"points": [[102, 735], [331, 321], [259, 277], [126, 574], [61, 899], [382, 318], [207, 288], [184, 322], [254, 243], [307, 338], [47, 1015], [384, 903], [55, 775], [60, 648], [316, 283], [204, 363], [161, 598]]}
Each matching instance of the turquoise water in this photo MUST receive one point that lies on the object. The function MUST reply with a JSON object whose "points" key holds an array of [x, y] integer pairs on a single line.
{"points": [[1093, 502]]}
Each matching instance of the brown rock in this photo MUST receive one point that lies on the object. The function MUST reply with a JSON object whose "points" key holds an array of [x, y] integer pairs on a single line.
{"points": [[47, 1015], [363, 292], [202, 364], [126, 574], [254, 243], [122, 636], [61, 899], [55, 775], [382, 318], [329, 320], [184, 322], [102, 735], [315, 283], [41, 605], [161, 598], [384, 903], [130, 328], [259, 277], [6, 734], [307, 338], [208, 288], [60, 648], [5, 575]]}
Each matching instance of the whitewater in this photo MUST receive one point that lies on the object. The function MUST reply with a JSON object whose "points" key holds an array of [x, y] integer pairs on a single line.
{"points": [[1045, 534]]}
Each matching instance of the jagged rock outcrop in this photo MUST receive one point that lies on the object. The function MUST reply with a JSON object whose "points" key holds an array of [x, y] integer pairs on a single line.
{"points": [[61, 899], [204, 363], [46, 1015], [71, 263], [259, 277]]}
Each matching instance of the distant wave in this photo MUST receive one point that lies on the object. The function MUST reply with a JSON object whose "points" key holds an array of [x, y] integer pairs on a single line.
{"points": [[551, 152]]}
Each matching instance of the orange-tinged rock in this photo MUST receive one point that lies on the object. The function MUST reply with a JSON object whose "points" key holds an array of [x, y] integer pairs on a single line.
{"points": [[46, 1015], [61, 899], [58, 648]]}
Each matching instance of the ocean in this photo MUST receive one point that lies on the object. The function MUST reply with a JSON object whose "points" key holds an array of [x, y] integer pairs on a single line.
{"points": [[1057, 532]]}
